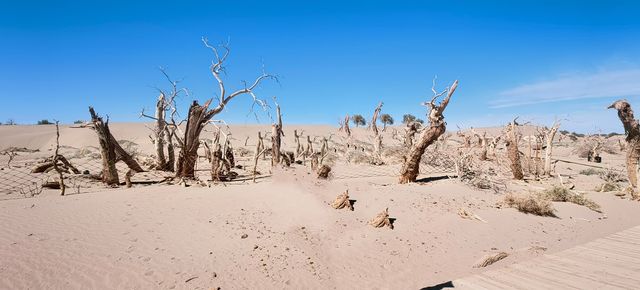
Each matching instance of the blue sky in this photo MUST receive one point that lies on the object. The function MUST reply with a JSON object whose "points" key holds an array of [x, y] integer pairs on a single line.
{"points": [[539, 60]]}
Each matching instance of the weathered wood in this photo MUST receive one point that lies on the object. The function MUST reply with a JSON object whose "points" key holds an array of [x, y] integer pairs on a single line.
{"points": [[513, 153], [55, 161], [550, 134], [188, 156], [276, 135], [632, 132], [107, 149], [437, 127], [161, 162]]}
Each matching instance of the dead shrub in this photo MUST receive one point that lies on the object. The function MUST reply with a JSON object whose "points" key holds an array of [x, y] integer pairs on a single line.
{"points": [[530, 204], [561, 194]]}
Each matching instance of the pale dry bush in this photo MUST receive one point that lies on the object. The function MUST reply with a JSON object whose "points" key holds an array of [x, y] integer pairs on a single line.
{"points": [[531, 204], [562, 194]]}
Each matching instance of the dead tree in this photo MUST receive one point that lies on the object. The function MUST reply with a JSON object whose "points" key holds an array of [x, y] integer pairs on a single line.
{"points": [[200, 115], [437, 127], [493, 145], [165, 125], [309, 150], [344, 126], [110, 151], [513, 153], [550, 134], [466, 138], [377, 137], [55, 161], [260, 144], [482, 139], [299, 149], [276, 134], [632, 132]]}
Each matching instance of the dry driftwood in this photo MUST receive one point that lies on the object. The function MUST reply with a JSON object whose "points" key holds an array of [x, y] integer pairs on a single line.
{"points": [[437, 127], [342, 201], [47, 165], [490, 259], [381, 220]]}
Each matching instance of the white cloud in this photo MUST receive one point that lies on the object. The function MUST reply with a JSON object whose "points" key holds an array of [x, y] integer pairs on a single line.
{"points": [[609, 83]]}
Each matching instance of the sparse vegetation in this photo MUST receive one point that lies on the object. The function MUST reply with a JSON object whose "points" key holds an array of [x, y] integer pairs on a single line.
{"points": [[531, 204], [358, 120], [590, 171], [45, 122], [408, 118], [386, 119], [562, 194]]}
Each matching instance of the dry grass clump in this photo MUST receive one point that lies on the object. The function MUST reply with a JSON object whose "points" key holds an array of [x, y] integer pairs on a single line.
{"points": [[490, 259], [607, 187], [590, 171], [531, 204], [561, 194]]}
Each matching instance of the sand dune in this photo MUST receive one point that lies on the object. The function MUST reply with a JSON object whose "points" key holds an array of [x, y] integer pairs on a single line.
{"points": [[280, 232]]}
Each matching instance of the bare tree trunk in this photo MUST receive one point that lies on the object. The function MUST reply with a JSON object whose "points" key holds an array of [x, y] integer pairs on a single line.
{"points": [[161, 162], [107, 150], [260, 144], [171, 154], [309, 151], [377, 142], [513, 153], [549, 150], [345, 126], [632, 130], [299, 149], [410, 133], [55, 161], [188, 155], [411, 166], [482, 140], [276, 134]]}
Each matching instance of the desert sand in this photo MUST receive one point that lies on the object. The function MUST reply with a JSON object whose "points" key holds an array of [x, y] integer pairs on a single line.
{"points": [[280, 232]]}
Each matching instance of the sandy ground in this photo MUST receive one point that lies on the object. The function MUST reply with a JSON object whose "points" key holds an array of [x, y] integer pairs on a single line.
{"points": [[279, 232]]}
